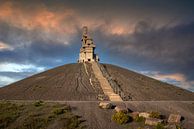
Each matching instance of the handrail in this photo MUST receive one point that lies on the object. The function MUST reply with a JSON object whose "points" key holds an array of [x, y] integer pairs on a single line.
{"points": [[115, 86]]}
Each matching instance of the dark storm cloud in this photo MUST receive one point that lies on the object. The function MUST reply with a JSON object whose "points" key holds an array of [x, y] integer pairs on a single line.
{"points": [[168, 49], [149, 35], [6, 77], [33, 47], [16, 75]]}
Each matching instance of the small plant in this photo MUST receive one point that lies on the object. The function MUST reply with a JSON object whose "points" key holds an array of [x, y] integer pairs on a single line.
{"points": [[8, 113], [139, 119], [120, 118], [38, 103], [178, 127], [159, 126], [58, 111], [34, 123], [155, 115]]}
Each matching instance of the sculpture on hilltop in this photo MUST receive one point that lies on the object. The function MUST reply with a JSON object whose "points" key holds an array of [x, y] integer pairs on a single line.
{"points": [[87, 49]]}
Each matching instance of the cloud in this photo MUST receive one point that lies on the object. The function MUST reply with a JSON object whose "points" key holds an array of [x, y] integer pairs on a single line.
{"points": [[153, 36], [12, 72], [167, 48], [10, 77], [4, 80], [12, 67], [4, 46], [177, 79], [41, 17]]}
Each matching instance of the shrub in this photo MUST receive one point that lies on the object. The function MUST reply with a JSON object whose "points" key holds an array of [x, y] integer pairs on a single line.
{"points": [[38, 103], [139, 119], [178, 127], [8, 113], [120, 118], [159, 126], [34, 123], [58, 111], [155, 115]]}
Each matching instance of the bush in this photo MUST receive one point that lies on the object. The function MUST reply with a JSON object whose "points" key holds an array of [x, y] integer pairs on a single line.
{"points": [[159, 126], [155, 115], [74, 122], [120, 118], [178, 127], [38, 103], [139, 119], [8, 113], [58, 111], [34, 123]]}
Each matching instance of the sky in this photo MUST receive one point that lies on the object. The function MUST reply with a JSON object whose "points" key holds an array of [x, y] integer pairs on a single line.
{"points": [[155, 37]]}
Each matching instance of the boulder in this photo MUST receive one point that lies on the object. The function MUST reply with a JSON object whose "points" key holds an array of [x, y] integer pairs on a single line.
{"points": [[121, 109], [144, 114], [174, 118], [105, 105], [153, 121]]}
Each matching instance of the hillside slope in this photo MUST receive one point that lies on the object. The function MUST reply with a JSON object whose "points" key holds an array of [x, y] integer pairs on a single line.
{"points": [[72, 82], [68, 82], [141, 87]]}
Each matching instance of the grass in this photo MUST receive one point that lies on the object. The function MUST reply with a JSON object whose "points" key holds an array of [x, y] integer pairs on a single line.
{"points": [[58, 111], [159, 126], [38, 103], [28, 116], [139, 119], [8, 113], [155, 115]]}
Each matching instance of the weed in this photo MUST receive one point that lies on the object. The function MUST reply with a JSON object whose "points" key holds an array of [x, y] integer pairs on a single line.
{"points": [[58, 111], [34, 123], [139, 119], [155, 115], [71, 122], [8, 113], [159, 126], [38, 103]]}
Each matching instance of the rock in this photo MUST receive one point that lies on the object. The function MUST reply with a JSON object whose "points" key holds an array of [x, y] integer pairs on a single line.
{"points": [[171, 126], [121, 109], [102, 97], [153, 121], [105, 105], [134, 114], [174, 118], [144, 114]]}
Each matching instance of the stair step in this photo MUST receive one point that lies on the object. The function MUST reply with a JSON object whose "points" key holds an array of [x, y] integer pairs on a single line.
{"points": [[107, 89]]}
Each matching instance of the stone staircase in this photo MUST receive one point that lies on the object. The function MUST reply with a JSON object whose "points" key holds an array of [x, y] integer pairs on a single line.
{"points": [[107, 89]]}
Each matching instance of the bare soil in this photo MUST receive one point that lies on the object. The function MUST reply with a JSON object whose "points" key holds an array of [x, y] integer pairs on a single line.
{"points": [[142, 88], [71, 82]]}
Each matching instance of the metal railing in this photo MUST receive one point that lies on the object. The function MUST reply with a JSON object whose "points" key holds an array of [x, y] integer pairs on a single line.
{"points": [[115, 86]]}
